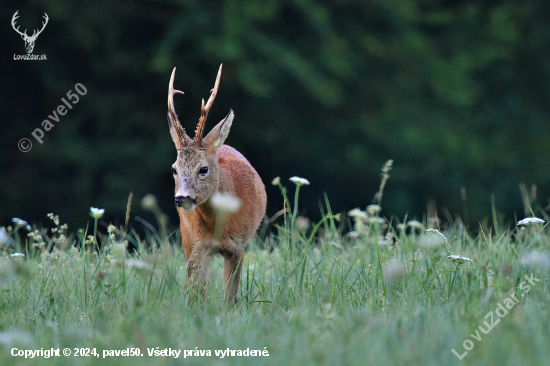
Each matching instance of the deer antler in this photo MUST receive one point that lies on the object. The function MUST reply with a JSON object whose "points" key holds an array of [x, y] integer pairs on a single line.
{"points": [[35, 34], [205, 109], [15, 16], [172, 111]]}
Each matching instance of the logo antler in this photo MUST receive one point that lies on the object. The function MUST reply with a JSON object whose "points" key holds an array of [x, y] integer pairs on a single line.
{"points": [[29, 41]]}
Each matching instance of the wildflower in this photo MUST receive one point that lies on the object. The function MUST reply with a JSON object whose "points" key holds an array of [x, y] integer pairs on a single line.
{"points": [[16, 254], [360, 218], [96, 213], [276, 181], [416, 224], [530, 220], [393, 270], [20, 222], [431, 239], [376, 220], [58, 255], [39, 244], [118, 250], [90, 240], [139, 265], [352, 235], [54, 218], [37, 239], [302, 223], [436, 232], [149, 202], [373, 210], [536, 259], [111, 231], [4, 237], [335, 244], [459, 258], [299, 181], [358, 214], [225, 203]]}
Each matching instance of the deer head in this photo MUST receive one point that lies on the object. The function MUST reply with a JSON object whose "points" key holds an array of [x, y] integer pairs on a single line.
{"points": [[29, 41], [196, 170]]}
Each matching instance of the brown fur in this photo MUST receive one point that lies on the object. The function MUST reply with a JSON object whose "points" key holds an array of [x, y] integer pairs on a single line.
{"points": [[227, 171], [240, 179]]}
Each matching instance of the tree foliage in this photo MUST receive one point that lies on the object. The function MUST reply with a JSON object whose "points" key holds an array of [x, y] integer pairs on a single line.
{"points": [[456, 92]]}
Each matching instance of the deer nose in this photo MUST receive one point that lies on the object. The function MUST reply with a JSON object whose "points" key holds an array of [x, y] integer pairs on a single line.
{"points": [[185, 202]]}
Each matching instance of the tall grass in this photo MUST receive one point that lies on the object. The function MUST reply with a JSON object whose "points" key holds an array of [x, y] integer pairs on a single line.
{"points": [[381, 294]]}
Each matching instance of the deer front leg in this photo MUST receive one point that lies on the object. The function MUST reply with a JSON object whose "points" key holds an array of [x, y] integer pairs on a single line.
{"points": [[232, 267], [197, 267]]}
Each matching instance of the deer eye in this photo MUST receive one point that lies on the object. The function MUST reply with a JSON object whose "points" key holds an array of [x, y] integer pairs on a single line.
{"points": [[203, 171], [174, 172]]}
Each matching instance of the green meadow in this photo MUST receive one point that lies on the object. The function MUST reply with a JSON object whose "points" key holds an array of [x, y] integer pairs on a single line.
{"points": [[355, 289]]}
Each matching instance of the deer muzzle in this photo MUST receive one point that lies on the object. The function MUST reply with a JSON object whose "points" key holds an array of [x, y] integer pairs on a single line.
{"points": [[185, 202]]}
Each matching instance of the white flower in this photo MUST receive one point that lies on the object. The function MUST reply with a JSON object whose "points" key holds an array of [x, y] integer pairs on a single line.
{"points": [[225, 203], [149, 202], [431, 239], [96, 213], [358, 214], [373, 210], [4, 237], [530, 220], [436, 232], [302, 223], [376, 220], [393, 270], [536, 259], [111, 229], [140, 265], [54, 218], [21, 222], [16, 254], [360, 218], [299, 181], [415, 224], [276, 181], [458, 258]]}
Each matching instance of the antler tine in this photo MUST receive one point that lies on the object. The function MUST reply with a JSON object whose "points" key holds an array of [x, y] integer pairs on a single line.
{"points": [[206, 108], [13, 19], [172, 110], [44, 23]]}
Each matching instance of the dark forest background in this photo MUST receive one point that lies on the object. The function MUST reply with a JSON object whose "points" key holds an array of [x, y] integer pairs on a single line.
{"points": [[455, 92]]}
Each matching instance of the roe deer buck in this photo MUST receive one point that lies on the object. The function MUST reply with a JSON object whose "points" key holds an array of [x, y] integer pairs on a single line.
{"points": [[204, 168]]}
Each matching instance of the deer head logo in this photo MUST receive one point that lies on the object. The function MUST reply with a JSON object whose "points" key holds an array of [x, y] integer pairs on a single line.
{"points": [[29, 41]]}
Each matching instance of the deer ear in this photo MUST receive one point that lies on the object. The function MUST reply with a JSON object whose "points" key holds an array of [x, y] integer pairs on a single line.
{"points": [[217, 136]]}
